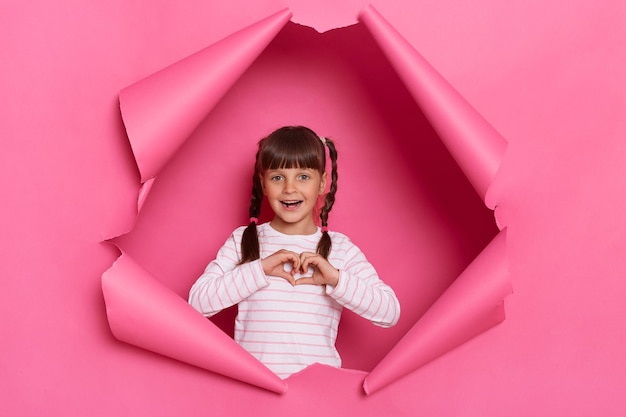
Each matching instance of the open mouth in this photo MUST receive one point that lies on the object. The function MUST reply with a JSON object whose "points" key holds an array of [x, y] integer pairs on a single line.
{"points": [[291, 204]]}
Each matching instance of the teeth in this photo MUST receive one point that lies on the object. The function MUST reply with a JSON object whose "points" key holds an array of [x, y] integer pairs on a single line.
{"points": [[291, 203]]}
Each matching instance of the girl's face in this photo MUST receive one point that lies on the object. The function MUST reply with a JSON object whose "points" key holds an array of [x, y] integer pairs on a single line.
{"points": [[292, 194]]}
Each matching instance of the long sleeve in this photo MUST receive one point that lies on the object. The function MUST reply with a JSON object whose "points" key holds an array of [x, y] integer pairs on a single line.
{"points": [[224, 283], [361, 290], [290, 327]]}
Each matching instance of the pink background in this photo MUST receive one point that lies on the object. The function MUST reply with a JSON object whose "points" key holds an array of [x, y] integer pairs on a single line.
{"points": [[547, 76]]}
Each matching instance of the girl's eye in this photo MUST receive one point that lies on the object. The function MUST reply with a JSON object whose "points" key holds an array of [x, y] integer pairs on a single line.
{"points": [[276, 178], [304, 177]]}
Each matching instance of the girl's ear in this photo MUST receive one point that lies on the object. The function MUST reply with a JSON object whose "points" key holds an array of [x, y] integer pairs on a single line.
{"points": [[323, 183]]}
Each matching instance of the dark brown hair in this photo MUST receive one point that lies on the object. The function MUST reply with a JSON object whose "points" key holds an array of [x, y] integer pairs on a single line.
{"points": [[290, 147]]}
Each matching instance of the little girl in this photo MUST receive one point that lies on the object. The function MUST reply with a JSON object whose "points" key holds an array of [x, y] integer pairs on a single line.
{"points": [[289, 277]]}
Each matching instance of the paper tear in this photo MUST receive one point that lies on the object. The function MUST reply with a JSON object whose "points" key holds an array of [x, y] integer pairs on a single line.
{"points": [[143, 193], [162, 97], [144, 313], [475, 145], [469, 307], [163, 109]]}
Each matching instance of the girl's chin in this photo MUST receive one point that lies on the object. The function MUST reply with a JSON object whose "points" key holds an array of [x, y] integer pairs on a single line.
{"points": [[293, 226]]}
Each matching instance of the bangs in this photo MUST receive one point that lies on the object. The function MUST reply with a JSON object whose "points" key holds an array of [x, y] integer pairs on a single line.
{"points": [[291, 149]]}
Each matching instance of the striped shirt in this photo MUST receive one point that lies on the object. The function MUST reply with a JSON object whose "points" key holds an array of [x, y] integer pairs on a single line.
{"points": [[290, 327]]}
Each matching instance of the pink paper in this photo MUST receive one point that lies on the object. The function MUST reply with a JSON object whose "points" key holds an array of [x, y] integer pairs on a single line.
{"points": [[144, 313], [162, 110], [472, 305], [174, 97], [471, 140], [143, 193], [548, 75]]}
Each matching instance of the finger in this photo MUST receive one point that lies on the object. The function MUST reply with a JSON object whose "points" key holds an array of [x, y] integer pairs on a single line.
{"points": [[287, 277], [294, 259], [286, 257], [306, 281], [306, 259]]}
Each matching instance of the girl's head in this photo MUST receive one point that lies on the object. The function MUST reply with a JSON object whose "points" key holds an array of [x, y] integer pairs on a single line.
{"points": [[291, 147], [288, 148]]}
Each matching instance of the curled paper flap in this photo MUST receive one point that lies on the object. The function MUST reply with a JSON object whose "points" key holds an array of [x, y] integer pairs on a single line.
{"points": [[143, 193], [470, 306], [474, 144], [162, 110], [144, 313]]}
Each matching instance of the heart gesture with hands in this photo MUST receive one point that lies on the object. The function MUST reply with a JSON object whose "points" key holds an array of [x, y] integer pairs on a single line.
{"points": [[323, 272]]}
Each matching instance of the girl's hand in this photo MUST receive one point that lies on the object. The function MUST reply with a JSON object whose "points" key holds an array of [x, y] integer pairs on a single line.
{"points": [[275, 265], [323, 272]]}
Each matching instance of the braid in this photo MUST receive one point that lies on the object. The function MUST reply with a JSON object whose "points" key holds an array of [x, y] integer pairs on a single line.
{"points": [[324, 245], [250, 249]]}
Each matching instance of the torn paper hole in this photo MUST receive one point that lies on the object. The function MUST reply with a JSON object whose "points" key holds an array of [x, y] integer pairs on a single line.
{"points": [[401, 192]]}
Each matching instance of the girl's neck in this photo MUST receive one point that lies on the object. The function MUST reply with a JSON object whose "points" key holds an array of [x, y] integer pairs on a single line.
{"points": [[300, 228]]}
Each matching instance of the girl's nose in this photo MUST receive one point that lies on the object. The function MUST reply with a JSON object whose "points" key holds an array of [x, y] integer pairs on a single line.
{"points": [[289, 186]]}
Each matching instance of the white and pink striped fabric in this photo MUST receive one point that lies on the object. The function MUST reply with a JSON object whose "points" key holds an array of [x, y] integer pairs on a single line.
{"points": [[290, 327]]}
